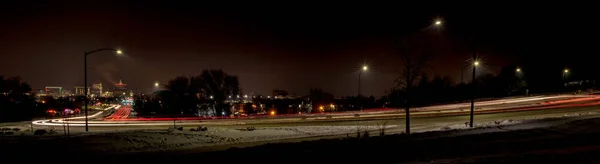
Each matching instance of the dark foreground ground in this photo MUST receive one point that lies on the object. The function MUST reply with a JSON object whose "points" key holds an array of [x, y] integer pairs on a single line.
{"points": [[573, 142]]}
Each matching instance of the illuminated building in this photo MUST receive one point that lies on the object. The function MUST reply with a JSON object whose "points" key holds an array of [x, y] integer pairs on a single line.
{"points": [[53, 91], [97, 90], [120, 89], [79, 90], [120, 85]]}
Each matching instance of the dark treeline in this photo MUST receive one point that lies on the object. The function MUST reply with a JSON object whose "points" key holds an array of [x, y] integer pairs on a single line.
{"points": [[209, 91], [16, 103], [508, 82], [185, 95]]}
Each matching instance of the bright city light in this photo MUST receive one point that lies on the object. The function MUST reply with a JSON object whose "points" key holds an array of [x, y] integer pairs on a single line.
{"points": [[119, 52], [364, 68], [211, 97], [476, 63], [438, 22], [518, 69], [272, 112], [566, 71], [156, 84]]}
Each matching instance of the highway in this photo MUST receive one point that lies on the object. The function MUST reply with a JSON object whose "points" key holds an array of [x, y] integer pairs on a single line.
{"points": [[511, 108]]}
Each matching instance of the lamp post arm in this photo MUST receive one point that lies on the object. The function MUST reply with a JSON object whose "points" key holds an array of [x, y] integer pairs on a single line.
{"points": [[98, 50]]}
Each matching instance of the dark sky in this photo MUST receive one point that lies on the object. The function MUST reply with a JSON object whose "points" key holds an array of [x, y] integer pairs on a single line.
{"points": [[291, 46]]}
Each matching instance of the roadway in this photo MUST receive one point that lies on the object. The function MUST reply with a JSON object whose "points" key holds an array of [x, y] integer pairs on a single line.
{"points": [[421, 118]]}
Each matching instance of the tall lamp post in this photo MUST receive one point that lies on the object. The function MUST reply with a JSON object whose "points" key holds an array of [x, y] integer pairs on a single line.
{"points": [[364, 69], [475, 64], [85, 90], [564, 75]]}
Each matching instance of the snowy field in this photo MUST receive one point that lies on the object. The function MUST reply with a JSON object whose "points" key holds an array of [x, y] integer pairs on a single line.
{"points": [[162, 139]]}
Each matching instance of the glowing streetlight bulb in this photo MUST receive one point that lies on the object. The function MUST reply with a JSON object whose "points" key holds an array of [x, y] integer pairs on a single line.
{"points": [[119, 52], [566, 71], [437, 23], [518, 69], [476, 63], [156, 84], [364, 68]]}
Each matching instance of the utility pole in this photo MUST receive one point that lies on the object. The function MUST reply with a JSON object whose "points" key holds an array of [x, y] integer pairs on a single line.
{"points": [[85, 98], [475, 63]]}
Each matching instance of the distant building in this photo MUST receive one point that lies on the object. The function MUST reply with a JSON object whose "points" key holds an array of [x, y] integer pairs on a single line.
{"points": [[67, 92], [53, 91], [108, 94], [120, 89], [97, 90], [80, 90]]}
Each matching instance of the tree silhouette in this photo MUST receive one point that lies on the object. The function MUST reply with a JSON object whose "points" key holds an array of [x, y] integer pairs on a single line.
{"points": [[414, 56], [15, 102], [319, 97], [14, 85], [184, 93], [219, 85]]}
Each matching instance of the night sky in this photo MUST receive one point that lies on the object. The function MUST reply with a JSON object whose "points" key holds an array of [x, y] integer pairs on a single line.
{"points": [[290, 46]]}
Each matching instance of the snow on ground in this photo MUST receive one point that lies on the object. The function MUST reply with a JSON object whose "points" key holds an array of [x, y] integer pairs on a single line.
{"points": [[159, 140], [164, 140]]}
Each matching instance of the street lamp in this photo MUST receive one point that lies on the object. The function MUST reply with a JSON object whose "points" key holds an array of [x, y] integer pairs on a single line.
{"points": [[475, 64], [85, 90], [156, 84], [364, 69], [438, 23], [565, 73]]}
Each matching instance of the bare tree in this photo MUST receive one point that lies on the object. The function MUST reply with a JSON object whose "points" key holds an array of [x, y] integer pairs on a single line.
{"points": [[414, 56]]}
